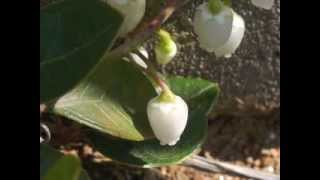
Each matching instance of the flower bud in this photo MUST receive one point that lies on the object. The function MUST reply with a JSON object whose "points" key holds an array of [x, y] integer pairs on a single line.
{"points": [[166, 49], [132, 10], [168, 115], [220, 32], [265, 4]]}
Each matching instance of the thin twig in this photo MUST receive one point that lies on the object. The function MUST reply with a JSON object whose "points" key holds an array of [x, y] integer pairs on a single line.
{"points": [[147, 29], [152, 71], [223, 167]]}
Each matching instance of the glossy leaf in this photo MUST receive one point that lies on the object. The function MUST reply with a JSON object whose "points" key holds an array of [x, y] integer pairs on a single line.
{"points": [[74, 34], [112, 100]]}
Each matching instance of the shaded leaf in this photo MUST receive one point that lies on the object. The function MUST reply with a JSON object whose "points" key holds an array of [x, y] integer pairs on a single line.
{"points": [[84, 175], [74, 34]]}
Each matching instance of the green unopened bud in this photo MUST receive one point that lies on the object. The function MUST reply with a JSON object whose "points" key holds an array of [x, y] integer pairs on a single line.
{"points": [[166, 49], [215, 6]]}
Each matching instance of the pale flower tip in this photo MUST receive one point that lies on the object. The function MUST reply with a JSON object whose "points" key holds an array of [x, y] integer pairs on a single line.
{"points": [[228, 55], [163, 143], [171, 143], [138, 60]]}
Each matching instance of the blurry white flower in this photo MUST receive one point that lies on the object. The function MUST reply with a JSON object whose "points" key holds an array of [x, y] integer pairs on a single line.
{"points": [[220, 32], [166, 49], [266, 4], [137, 59], [168, 118], [132, 10]]}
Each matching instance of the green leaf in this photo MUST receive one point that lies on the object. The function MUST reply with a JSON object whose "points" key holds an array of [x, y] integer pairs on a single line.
{"points": [[200, 96], [54, 165], [113, 100], [48, 157], [84, 175], [74, 34]]}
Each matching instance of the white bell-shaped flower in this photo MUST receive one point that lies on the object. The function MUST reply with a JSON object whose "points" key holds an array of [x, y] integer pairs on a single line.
{"points": [[220, 32], [168, 118], [265, 4], [166, 49], [132, 10]]}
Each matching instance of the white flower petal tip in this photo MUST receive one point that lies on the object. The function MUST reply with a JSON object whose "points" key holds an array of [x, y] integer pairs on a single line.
{"points": [[172, 143], [221, 33], [168, 120], [265, 4], [137, 59], [132, 10]]}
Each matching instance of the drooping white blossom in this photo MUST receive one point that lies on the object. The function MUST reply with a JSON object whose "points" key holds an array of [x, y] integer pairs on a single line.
{"points": [[168, 119], [220, 33]]}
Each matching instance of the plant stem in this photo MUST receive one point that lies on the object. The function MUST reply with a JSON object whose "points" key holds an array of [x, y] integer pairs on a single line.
{"points": [[152, 72]]}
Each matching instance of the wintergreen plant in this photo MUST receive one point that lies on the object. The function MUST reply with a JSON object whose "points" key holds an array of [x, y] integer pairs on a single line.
{"points": [[135, 114]]}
